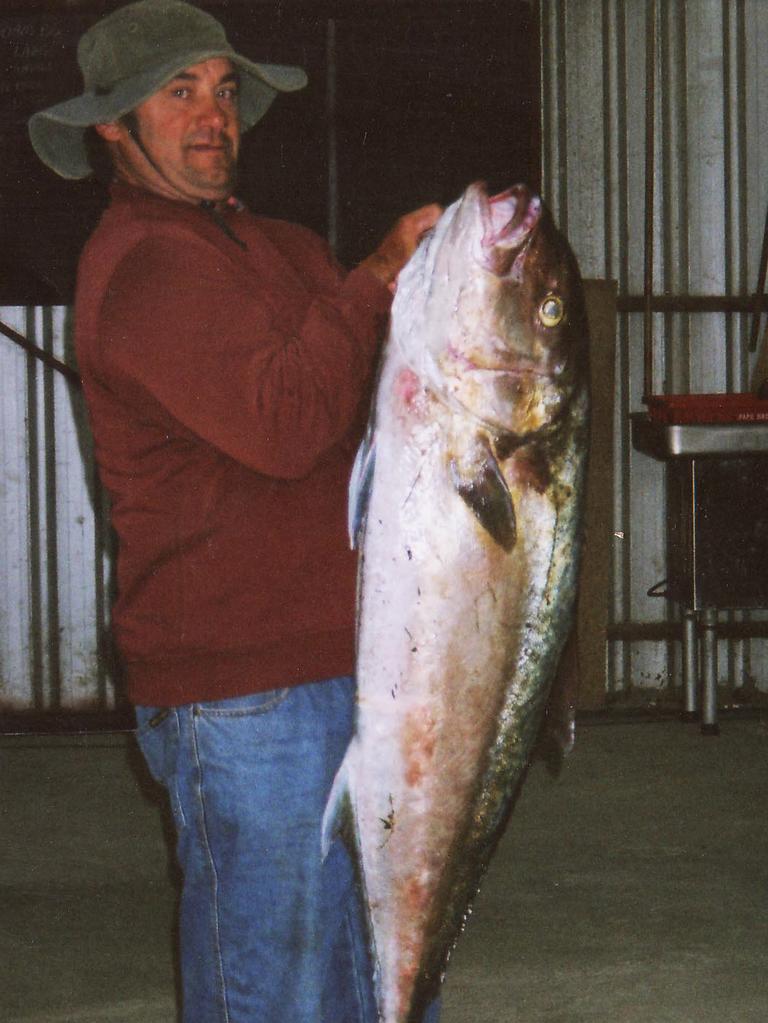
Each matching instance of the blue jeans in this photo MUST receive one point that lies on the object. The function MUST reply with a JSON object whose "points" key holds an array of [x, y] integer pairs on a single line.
{"points": [[268, 931]]}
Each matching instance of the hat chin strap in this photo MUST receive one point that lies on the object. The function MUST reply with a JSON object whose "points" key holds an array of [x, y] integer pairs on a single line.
{"points": [[131, 122]]}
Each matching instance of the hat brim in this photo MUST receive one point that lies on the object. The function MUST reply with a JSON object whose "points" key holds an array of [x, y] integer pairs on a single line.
{"points": [[58, 133]]}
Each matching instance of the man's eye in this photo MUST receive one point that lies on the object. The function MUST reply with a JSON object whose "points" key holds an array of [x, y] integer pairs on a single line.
{"points": [[181, 91], [229, 94]]}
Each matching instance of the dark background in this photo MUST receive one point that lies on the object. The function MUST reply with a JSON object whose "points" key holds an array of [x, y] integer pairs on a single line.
{"points": [[428, 96]]}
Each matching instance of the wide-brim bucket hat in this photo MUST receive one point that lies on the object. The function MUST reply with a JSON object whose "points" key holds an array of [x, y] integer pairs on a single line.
{"points": [[130, 54]]}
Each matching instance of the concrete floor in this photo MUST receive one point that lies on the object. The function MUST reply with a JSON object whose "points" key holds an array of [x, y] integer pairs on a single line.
{"points": [[632, 889]]}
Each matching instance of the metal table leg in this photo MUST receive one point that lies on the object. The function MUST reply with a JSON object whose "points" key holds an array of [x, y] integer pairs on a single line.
{"points": [[690, 664], [709, 725]]}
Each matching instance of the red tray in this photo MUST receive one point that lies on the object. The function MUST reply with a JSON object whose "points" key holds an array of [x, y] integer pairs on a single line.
{"points": [[707, 408]]}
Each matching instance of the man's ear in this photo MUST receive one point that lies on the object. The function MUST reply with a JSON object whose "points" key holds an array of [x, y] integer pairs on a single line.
{"points": [[111, 131]]}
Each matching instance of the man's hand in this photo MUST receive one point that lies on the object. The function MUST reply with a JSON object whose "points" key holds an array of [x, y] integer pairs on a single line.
{"points": [[399, 244]]}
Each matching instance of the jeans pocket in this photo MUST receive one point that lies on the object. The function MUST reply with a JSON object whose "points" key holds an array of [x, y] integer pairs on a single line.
{"points": [[252, 705], [157, 734]]}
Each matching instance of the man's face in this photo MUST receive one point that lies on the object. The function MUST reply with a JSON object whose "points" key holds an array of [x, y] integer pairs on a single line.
{"points": [[190, 131]]}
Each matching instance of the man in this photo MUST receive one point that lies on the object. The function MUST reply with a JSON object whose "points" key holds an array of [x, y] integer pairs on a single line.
{"points": [[225, 360]]}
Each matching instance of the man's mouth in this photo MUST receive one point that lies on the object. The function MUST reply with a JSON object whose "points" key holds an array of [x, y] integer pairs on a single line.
{"points": [[209, 147]]}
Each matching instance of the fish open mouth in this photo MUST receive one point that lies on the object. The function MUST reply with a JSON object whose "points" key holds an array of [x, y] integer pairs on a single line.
{"points": [[509, 219]]}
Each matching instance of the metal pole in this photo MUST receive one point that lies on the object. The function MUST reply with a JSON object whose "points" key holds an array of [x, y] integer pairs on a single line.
{"points": [[650, 123], [332, 142]]}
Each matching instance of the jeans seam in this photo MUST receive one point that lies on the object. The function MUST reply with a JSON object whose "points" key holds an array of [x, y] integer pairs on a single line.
{"points": [[214, 873], [175, 794]]}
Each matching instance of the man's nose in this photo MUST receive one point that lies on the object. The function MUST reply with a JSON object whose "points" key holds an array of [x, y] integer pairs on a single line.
{"points": [[213, 113]]}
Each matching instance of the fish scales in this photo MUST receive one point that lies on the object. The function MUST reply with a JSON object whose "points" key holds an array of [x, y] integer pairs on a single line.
{"points": [[467, 503]]}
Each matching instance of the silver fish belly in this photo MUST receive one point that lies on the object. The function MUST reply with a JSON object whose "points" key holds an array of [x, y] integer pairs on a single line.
{"points": [[467, 503]]}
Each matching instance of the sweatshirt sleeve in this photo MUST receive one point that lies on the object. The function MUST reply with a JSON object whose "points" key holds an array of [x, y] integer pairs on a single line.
{"points": [[270, 371]]}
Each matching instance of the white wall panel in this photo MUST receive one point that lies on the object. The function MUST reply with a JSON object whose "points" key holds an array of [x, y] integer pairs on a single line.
{"points": [[54, 571], [14, 511]]}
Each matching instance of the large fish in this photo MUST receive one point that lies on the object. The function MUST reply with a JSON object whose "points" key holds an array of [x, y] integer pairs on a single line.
{"points": [[466, 505]]}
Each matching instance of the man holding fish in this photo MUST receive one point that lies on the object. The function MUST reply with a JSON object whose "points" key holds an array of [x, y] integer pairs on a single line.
{"points": [[225, 360]]}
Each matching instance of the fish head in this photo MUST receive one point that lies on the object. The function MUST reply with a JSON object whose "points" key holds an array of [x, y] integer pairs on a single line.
{"points": [[490, 312]]}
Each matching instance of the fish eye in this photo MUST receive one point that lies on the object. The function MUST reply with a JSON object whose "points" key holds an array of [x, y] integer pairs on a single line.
{"points": [[551, 311]]}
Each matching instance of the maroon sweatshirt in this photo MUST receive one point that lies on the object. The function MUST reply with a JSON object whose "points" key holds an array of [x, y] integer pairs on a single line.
{"points": [[226, 391]]}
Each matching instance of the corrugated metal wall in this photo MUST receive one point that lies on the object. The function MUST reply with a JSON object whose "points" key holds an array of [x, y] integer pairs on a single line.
{"points": [[54, 569], [711, 189]]}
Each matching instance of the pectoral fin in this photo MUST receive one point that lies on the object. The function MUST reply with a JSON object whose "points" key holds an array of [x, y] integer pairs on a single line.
{"points": [[338, 812], [360, 485], [481, 485]]}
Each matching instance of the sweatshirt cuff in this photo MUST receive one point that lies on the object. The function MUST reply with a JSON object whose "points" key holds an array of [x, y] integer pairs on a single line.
{"points": [[369, 290]]}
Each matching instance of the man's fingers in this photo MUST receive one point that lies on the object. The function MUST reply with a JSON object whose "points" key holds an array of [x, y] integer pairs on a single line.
{"points": [[399, 243]]}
